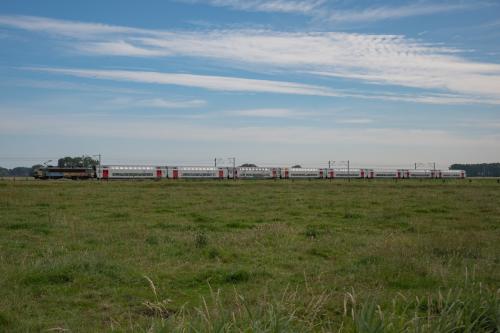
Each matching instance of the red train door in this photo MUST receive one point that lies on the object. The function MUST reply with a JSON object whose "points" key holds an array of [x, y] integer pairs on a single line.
{"points": [[320, 173], [105, 173], [175, 174], [221, 173], [362, 173], [286, 174], [158, 173], [331, 174], [274, 173]]}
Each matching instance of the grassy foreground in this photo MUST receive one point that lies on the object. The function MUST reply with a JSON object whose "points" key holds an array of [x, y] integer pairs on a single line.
{"points": [[264, 256]]}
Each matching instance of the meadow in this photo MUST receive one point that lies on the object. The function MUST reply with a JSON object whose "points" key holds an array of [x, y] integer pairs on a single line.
{"points": [[250, 256]]}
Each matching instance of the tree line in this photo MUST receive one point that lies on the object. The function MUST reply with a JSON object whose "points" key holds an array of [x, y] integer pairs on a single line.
{"points": [[479, 170], [64, 162], [19, 171]]}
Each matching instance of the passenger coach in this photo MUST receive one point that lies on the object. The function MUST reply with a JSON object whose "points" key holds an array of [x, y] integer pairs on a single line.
{"points": [[197, 173], [131, 172], [344, 173], [304, 173], [253, 173]]}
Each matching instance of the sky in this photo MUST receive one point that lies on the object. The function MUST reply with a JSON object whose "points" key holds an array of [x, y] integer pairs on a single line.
{"points": [[380, 83]]}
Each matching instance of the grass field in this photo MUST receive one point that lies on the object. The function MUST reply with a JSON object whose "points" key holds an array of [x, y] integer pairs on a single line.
{"points": [[365, 256]]}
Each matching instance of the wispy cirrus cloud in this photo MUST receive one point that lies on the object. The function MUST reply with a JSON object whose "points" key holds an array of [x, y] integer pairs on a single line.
{"points": [[237, 84], [280, 6], [355, 121], [269, 113], [337, 13], [385, 60], [209, 82], [65, 28], [156, 103], [372, 14]]}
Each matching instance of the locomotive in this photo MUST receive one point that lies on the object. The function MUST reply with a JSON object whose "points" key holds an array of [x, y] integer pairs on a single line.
{"points": [[52, 172]]}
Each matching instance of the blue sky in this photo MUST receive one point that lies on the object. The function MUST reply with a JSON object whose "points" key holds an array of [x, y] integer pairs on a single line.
{"points": [[381, 83]]}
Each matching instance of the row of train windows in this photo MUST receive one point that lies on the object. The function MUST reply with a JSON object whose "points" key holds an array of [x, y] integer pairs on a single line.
{"points": [[347, 174], [127, 174], [132, 168], [255, 169]]}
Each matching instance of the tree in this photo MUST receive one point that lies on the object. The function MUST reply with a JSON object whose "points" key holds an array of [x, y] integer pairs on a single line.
{"points": [[77, 162], [297, 166], [479, 170], [65, 162], [4, 172], [248, 165], [21, 172]]}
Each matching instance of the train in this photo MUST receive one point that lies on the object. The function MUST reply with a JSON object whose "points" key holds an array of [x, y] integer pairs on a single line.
{"points": [[124, 172], [109, 172], [52, 172]]}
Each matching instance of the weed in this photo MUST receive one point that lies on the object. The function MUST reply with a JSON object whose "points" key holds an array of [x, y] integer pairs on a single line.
{"points": [[238, 225], [119, 215], [213, 253], [311, 232], [200, 240], [4, 321], [352, 215], [237, 276], [152, 240], [159, 309], [318, 253]]}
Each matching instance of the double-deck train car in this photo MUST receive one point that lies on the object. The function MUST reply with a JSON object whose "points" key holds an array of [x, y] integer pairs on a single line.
{"points": [[197, 173], [304, 173], [253, 173], [421, 174], [131, 172], [345, 173], [385, 174], [453, 174]]}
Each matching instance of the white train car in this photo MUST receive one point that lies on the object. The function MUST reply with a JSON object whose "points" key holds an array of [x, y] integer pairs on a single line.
{"points": [[344, 173], [385, 174], [302, 173], [197, 173], [255, 173], [421, 174], [452, 174], [131, 172]]}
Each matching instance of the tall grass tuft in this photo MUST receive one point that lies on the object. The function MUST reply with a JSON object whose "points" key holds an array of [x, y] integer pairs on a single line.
{"points": [[157, 308], [286, 312], [470, 309]]}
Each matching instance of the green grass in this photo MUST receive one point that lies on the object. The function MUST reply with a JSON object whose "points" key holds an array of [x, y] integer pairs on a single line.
{"points": [[263, 256]]}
